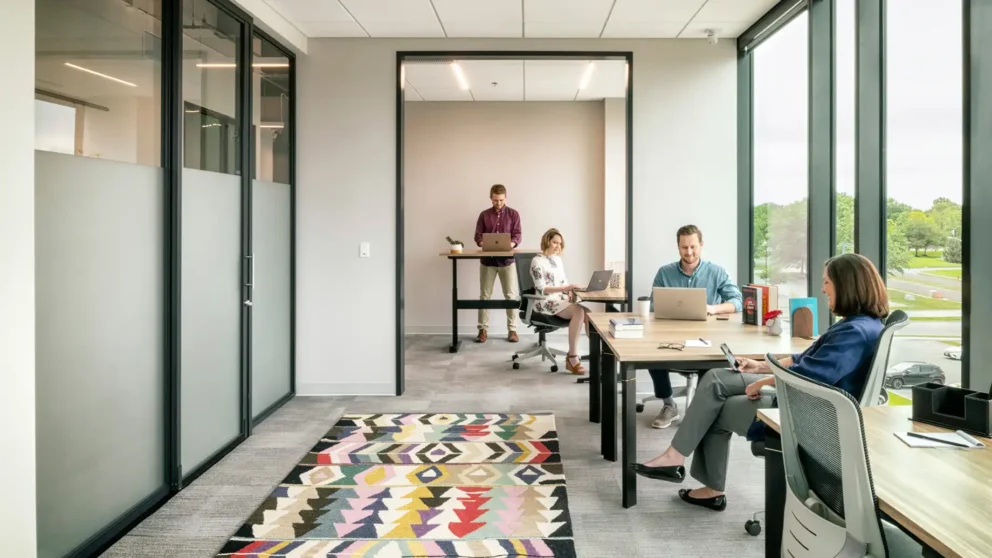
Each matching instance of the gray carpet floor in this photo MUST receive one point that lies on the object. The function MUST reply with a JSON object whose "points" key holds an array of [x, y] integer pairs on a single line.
{"points": [[197, 521]]}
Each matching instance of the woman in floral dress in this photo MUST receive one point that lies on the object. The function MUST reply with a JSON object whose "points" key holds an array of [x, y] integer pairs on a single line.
{"points": [[548, 273]]}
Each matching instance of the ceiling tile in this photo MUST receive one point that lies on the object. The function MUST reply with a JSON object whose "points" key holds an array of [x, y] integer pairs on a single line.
{"points": [[395, 18], [552, 80], [723, 29], [300, 11], [563, 30], [430, 76], [507, 74], [565, 18], [481, 18], [672, 11], [609, 79], [331, 29], [642, 29], [410, 93], [445, 94], [748, 11]]}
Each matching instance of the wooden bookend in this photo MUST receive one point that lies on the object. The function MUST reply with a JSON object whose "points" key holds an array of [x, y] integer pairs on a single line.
{"points": [[802, 323]]}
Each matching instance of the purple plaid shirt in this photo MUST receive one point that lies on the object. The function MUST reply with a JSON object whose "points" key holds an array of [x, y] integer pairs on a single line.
{"points": [[505, 221]]}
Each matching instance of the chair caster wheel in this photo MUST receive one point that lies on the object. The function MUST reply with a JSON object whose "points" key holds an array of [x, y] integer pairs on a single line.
{"points": [[515, 357], [753, 527], [639, 407], [516, 366], [554, 368]]}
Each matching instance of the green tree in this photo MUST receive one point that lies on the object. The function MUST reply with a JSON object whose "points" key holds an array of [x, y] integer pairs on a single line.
{"points": [[896, 248], [952, 250], [897, 210], [760, 225], [921, 232], [845, 224], [946, 216], [787, 238]]}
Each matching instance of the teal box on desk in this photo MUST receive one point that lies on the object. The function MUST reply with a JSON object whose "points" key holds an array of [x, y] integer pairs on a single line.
{"points": [[806, 324]]}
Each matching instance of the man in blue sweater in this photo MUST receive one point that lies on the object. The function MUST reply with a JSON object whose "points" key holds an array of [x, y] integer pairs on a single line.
{"points": [[691, 271]]}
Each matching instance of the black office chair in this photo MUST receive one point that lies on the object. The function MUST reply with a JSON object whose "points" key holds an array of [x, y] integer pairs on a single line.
{"points": [[541, 323]]}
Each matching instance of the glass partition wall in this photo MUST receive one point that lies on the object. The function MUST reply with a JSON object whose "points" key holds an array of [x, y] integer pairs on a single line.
{"points": [[164, 192]]}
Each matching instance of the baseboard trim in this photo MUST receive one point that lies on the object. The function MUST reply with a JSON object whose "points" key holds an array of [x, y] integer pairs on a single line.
{"points": [[323, 389]]}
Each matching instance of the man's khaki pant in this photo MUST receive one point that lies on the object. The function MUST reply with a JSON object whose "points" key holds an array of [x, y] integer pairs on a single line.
{"points": [[508, 281]]}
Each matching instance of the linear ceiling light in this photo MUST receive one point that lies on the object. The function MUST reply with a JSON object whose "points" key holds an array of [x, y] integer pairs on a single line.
{"points": [[233, 65], [273, 126], [104, 76], [459, 75], [587, 75]]}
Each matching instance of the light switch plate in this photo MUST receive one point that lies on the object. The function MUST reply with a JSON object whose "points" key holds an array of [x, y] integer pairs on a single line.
{"points": [[366, 250]]}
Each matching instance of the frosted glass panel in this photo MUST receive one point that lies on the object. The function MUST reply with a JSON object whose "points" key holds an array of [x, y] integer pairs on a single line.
{"points": [[271, 300], [100, 354], [211, 315]]}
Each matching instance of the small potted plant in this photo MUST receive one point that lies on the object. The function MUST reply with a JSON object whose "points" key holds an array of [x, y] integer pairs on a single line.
{"points": [[773, 322], [456, 245]]}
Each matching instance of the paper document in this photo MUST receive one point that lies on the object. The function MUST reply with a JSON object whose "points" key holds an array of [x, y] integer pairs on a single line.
{"points": [[697, 343], [952, 440]]}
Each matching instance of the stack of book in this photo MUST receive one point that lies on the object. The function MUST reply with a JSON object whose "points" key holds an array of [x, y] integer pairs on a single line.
{"points": [[627, 328]]}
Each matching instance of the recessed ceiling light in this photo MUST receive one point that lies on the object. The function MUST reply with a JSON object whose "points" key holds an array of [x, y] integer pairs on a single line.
{"points": [[586, 76], [459, 75], [104, 76], [233, 65]]}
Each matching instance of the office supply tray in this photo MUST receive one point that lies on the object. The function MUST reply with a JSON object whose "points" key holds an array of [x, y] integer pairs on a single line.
{"points": [[954, 408]]}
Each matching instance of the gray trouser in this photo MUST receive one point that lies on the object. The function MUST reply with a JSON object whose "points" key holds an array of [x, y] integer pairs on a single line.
{"points": [[719, 409]]}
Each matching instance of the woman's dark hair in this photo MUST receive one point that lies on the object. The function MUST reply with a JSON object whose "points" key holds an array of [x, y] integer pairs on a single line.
{"points": [[858, 288]]}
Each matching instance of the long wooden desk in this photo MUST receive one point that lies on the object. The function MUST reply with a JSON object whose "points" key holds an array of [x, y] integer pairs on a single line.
{"points": [[606, 352], [609, 297], [943, 497], [458, 304]]}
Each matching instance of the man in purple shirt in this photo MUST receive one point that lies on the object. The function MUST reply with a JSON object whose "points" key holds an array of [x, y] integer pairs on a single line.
{"points": [[499, 219]]}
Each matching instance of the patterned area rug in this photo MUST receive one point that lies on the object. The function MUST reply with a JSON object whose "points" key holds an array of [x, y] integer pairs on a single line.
{"points": [[419, 485]]}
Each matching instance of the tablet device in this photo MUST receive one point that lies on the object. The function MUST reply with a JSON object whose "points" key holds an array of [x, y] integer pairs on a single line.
{"points": [[731, 359]]}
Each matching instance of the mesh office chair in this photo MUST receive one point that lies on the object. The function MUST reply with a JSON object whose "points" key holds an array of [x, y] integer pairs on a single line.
{"points": [[873, 393], [831, 508], [542, 323]]}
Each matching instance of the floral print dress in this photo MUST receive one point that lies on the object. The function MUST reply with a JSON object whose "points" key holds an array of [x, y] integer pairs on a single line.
{"points": [[549, 271]]}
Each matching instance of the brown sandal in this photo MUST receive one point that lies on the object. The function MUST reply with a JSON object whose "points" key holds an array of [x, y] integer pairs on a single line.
{"points": [[577, 368]]}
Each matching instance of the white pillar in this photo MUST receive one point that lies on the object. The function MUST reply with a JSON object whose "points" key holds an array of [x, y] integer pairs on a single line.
{"points": [[17, 369]]}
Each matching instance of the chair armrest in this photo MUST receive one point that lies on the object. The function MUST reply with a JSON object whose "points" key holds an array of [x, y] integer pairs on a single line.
{"points": [[531, 299]]}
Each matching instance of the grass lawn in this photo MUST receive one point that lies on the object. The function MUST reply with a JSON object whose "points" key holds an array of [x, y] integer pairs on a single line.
{"points": [[921, 302], [952, 343], [952, 273], [932, 259], [933, 318]]}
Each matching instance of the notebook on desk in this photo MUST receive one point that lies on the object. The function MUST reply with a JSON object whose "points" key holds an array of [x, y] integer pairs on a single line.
{"points": [[953, 440]]}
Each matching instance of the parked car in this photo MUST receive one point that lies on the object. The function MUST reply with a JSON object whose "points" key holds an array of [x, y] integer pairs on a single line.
{"points": [[913, 373], [953, 353]]}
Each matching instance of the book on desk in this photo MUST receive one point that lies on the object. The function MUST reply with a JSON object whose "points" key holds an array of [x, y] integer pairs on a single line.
{"points": [[627, 328]]}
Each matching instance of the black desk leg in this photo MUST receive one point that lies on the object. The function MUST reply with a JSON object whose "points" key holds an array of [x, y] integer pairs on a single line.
{"points": [[455, 343], [594, 375], [608, 398], [628, 377], [775, 488]]}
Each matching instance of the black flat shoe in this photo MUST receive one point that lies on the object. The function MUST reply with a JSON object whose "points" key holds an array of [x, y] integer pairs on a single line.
{"points": [[669, 473], [716, 503]]}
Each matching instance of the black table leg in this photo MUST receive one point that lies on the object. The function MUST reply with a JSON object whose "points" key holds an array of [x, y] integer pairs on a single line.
{"points": [[628, 377], [608, 397], [775, 488], [455, 343], [595, 380]]}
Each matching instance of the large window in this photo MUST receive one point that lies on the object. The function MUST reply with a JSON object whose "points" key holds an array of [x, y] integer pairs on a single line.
{"points": [[781, 144], [845, 66], [925, 189]]}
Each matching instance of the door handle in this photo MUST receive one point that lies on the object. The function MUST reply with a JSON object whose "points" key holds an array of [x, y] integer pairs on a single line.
{"points": [[248, 303]]}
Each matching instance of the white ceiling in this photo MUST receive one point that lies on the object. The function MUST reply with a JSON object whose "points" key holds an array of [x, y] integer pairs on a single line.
{"points": [[516, 80], [606, 19]]}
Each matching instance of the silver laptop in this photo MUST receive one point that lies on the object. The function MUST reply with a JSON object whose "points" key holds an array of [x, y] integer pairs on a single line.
{"points": [[679, 304], [496, 242], [600, 281]]}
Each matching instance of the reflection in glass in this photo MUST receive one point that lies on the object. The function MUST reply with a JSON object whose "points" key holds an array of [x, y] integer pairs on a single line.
{"points": [[271, 108], [780, 154], [844, 98]]}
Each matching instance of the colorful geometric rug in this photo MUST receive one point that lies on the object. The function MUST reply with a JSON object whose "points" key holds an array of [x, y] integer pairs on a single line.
{"points": [[419, 485]]}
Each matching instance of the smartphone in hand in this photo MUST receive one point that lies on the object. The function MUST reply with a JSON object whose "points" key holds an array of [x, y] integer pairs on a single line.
{"points": [[731, 359]]}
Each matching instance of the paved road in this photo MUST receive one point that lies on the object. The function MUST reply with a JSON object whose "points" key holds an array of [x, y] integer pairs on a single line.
{"points": [[925, 351], [929, 329], [903, 285]]}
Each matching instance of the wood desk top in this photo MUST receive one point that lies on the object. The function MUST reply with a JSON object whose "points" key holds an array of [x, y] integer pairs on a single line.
{"points": [[744, 341], [476, 254], [608, 295], [943, 496]]}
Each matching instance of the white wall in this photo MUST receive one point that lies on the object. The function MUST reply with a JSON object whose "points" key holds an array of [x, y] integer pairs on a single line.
{"points": [[685, 157], [615, 180], [549, 155], [17, 361]]}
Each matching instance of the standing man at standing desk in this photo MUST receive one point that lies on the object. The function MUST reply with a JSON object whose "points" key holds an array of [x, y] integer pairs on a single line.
{"points": [[691, 271], [498, 219]]}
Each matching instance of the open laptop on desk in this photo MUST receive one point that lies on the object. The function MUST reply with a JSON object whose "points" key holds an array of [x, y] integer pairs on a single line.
{"points": [[679, 304], [600, 281], [496, 242]]}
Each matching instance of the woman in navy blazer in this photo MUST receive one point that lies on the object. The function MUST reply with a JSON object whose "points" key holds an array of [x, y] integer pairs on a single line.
{"points": [[727, 402]]}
